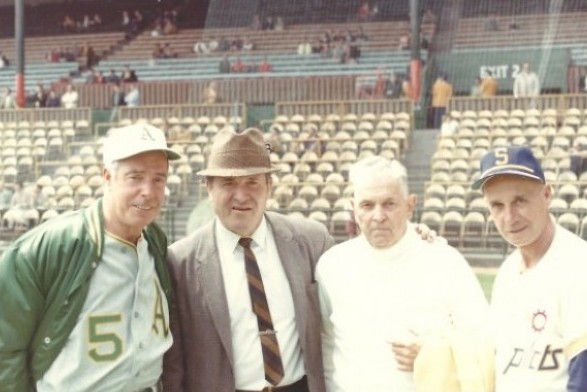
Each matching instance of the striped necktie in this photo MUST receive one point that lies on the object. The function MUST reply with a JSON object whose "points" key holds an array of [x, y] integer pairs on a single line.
{"points": [[269, 345]]}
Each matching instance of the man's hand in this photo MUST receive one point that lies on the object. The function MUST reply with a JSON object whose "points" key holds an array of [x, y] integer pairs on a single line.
{"points": [[425, 232], [405, 351]]}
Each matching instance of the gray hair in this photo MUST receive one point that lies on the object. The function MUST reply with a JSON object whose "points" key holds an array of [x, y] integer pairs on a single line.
{"points": [[379, 167]]}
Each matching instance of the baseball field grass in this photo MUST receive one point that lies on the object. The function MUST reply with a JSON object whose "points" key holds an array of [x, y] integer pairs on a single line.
{"points": [[486, 278]]}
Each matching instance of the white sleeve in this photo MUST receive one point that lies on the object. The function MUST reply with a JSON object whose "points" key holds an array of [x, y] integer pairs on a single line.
{"points": [[327, 329]]}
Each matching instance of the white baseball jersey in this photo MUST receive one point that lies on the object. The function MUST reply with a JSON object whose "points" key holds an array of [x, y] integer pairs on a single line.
{"points": [[122, 330], [540, 316]]}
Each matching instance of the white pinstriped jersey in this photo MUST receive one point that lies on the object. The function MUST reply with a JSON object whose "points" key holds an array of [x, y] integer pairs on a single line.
{"points": [[122, 330], [538, 313]]}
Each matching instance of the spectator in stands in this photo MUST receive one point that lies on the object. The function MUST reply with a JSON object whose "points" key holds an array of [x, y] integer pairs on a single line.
{"points": [[96, 20], [112, 77], [70, 97], [129, 75], [393, 87], [428, 16], [118, 96], [86, 22], [305, 47], [4, 62], [364, 12], [279, 24], [256, 23], [157, 52], [5, 196], [53, 56], [116, 101], [406, 87], [19, 203], [247, 44], [201, 47], [224, 66], [7, 100], [40, 96], [223, 44], [213, 44], [168, 52], [579, 156], [489, 85], [239, 66], [265, 66], [210, 93], [268, 23], [318, 47], [449, 125], [89, 54], [526, 83], [235, 43], [360, 36], [133, 96], [68, 24], [476, 87], [53, 99], [125, 19], [169, 27], [380, 85], [442, 92], [95, 77], [354, 51], [583, 83], [405, 41]]}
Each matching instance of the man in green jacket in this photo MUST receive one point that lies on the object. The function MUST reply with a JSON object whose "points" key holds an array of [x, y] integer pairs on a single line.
{"points": [[84, 296]]}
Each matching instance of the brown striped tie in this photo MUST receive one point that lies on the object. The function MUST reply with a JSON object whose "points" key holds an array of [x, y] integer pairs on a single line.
{"points": [[269, 345]]}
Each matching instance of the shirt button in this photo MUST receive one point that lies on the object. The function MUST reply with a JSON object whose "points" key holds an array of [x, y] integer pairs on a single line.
{"points": [[141, 346], [66, 303], [136, 314], [137, 374], [47, 340], [94, 265]]}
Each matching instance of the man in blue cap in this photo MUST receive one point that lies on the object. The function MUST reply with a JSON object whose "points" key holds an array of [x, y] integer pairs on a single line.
{"points": [[539, 297]]}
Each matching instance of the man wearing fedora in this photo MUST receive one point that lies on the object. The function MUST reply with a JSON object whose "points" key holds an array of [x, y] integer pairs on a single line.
{"points": [[539, 305], [246, 311]]}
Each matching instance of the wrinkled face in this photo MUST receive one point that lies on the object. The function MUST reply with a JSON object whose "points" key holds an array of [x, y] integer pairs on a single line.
{"points": [[519, 208], [239, 202], [382, 210], [135, 193]]}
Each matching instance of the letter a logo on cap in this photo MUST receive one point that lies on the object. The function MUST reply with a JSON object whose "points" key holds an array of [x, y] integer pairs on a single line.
{"points": [[147, 134]]}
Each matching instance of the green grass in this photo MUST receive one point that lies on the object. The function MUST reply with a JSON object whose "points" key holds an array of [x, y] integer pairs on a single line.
{"points": [[486, 280]]}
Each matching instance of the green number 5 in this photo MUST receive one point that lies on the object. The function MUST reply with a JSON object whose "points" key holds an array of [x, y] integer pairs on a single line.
{"points": [[109, 342]]}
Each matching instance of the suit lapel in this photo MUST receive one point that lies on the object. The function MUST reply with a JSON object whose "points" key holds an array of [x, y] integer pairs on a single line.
{"points": [[213, 288], [296, 267]]}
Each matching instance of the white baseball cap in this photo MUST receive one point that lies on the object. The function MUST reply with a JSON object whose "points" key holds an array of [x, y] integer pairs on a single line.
{"points": [[131, 140]]}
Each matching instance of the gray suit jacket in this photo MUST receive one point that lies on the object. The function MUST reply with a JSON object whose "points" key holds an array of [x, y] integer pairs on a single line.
{"points": [[201, 358]]}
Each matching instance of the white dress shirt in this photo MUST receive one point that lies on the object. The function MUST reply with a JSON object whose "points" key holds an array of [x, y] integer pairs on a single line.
{"points": [[248, 359]]}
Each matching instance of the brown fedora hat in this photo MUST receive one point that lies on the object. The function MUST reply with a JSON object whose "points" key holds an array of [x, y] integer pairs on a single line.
{"points": [[238, 154]]}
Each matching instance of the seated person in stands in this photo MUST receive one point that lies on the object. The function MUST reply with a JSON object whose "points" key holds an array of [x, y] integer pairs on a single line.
{"points": [[201, 47], [239, 66], [96, 20], [39, 98], [224, 66], [268, 23], [5, 196], [223, 45], [169, 27], [364, 12], [354, 52], [339, 53], [68, 23], [247, 44], [404, 41], [70, 97], [157, 52], [168, 52], [279, 24], [579, 156], [265, 66], [393, 87], [54, 56], [256, 23], [4, 62], [318, 46], [53, 99], [112, 78], [129, 75], [7, 99], [210, 94], [213, 44], [514, 25], [235, 43], [68, 55], [304, 48], [360, 35]]}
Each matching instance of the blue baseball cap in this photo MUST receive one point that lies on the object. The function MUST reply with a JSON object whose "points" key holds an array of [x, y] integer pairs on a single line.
{"points": [[513, 160]]}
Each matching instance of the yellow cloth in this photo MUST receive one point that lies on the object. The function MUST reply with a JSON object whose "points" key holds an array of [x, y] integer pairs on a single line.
{"points": [[458, 363]]}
